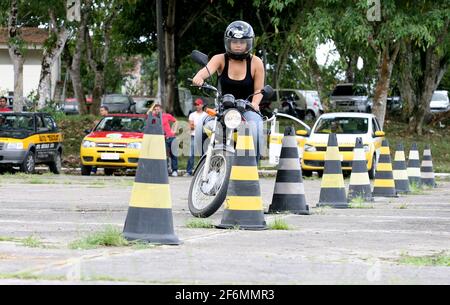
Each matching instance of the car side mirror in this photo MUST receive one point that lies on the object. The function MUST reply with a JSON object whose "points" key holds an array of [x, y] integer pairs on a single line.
{"points": [[87, 131], [303, 133], [380, 133]]}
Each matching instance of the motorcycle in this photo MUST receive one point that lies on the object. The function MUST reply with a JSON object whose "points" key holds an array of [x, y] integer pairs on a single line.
{"points": [[209, 184], [290, 107]]}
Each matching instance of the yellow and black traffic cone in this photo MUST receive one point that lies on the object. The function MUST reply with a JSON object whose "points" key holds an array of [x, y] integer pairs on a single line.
{"points": [[384, 185], [149, 215], [359, 178], [400, 171], [414, 166], [332, 188], [289, 192], [426, 170], [243, 204]]}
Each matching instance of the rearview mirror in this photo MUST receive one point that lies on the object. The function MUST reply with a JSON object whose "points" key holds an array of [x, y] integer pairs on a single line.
{"points": [[380, 133], [303, 133], [199, 57], [267, 91], [87, 131]]}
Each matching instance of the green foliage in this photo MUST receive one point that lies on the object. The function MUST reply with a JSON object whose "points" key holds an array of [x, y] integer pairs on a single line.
{"points": [[439, 259], [279, 224], [199, 224], [110, 236]]}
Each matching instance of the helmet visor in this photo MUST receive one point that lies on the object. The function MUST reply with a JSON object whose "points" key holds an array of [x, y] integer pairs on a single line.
{"points": [[238, 46]]}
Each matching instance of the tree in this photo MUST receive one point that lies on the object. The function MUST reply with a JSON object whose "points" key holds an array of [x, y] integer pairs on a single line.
{"points": [[15, 49]]}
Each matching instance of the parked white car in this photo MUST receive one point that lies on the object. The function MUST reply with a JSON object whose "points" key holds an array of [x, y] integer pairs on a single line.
{"points": [[440, 101]]}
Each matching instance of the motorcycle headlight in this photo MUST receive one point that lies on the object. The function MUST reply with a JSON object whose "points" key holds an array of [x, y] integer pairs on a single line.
{"points": [[135, 145], [88, 144], [366, 148], [310, 148], [233, 119], [14, 146]]}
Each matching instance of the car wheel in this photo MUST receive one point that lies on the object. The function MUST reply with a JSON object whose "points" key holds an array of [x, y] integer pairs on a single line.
{"points": [[56, 165], [109, 171], [320, 174], [29, 163], [374, 166], [307, 173], [86, 170]]}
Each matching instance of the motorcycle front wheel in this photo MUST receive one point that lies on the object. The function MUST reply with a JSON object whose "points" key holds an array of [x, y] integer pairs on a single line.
{"points": [[206, 197]]}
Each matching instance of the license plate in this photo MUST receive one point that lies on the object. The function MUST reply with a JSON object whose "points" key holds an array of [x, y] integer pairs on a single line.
{"points": [[109, 156]]}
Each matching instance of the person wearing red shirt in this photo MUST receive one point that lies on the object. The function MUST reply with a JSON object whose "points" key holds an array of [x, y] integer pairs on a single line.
{"points": [[169, 133], [3, 107]]}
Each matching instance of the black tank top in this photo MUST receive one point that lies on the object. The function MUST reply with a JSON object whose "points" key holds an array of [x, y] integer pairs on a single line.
{"points": [[240, 89]]}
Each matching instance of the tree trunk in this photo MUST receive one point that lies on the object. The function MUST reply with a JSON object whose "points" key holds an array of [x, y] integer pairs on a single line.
{"points": [[316, 73], [16, 55], [384, 79], [172, 100], [51, 55], [406, 81], [99, 88]]}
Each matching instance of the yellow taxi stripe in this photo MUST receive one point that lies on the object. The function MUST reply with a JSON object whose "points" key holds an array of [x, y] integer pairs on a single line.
{"points": [[245, 143], [244, 173], [384, 167], [147, 195], [332, 180], [384, 183], [244, 203], [153, 147]]}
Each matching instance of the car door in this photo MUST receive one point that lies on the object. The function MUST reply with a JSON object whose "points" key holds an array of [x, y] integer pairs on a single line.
{"points": [[49, 138]]}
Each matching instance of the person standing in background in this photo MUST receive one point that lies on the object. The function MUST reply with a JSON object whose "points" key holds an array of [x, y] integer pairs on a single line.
{"points": [[195, 118]]}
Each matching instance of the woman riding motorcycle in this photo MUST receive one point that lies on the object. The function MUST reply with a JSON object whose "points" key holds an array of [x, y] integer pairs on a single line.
{"points": [[240, 74]]}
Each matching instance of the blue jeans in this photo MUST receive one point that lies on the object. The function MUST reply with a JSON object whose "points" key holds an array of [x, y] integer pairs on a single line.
{"points": [[172, 153], [256, 128], [190, 164]]}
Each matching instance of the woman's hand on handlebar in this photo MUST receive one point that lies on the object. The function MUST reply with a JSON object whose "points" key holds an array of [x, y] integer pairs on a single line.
{"points": [[255, 106], [198, 81]]}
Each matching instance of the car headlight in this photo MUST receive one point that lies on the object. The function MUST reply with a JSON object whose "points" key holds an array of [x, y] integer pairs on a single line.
{"points": [[310, 148], [88, 144], [366, 148], [233, 119], [135, 145], [14, 146]]}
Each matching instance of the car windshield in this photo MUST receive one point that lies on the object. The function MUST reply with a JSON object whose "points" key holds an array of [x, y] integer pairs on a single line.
{"points": [[116, 99], [439, 97], [124, 124], [342, 125], [16, 125], [350, 91]]}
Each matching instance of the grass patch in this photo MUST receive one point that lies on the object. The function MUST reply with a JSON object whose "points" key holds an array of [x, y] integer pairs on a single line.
{"points": [[279, 224], [199, 224], [7, 238], [416, 189], [403, 206], [360, 203], [439, 259], [110, 236], [31, 276], [32, 242]]}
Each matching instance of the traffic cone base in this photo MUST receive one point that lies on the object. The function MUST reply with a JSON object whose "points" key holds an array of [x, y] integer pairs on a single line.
{"points": [[289, 191], [149, 216], [243, 204], [147, 220], [384, 185]]}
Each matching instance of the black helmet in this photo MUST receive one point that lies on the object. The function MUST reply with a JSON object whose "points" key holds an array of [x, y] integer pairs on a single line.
{"points": [[239, 31]]}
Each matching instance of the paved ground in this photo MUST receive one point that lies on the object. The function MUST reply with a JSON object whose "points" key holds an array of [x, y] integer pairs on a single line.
{"points": [[351, 246]]}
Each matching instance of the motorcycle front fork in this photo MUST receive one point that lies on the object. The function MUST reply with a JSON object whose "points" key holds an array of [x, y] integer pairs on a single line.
{"points": [[210, 148]]}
